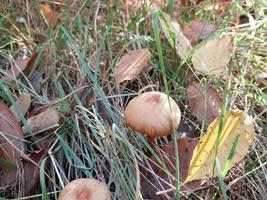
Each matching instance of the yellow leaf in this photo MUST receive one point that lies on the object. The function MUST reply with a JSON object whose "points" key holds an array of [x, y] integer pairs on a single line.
{"points": [[236, 124], [212, 58]]}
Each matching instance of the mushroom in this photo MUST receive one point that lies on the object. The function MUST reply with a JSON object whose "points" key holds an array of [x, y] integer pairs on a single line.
{"points": [[153, 114], [85, 189]]}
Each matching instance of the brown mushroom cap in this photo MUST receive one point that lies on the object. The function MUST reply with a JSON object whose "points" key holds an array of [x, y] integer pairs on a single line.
{"points": [[85, 189], [153, 114]]}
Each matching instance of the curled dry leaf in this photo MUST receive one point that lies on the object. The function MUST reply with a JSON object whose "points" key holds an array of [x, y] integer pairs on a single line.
{"points": [[23, 102], [11, 145], [153, 114], [131, 64], [159, 180], [50, 15], [174, 34], [204, 102], [198, 30], [19, 65], [16, 68], [47, 118], [31, 170], [212, 58], [236, 125]]}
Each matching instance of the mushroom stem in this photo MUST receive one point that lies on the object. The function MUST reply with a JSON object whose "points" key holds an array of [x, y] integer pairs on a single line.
{"points": [[151, 141]]}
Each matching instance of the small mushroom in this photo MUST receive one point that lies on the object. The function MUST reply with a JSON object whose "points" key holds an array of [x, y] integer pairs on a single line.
{"points": [[153, 114], [85, 189]]}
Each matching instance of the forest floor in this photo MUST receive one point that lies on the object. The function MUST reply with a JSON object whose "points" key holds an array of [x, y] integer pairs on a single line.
{"points": [[68, 69]]}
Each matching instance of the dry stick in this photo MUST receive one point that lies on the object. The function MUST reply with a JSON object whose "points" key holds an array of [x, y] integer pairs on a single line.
{"points": [[95, 23], [137, 192]]}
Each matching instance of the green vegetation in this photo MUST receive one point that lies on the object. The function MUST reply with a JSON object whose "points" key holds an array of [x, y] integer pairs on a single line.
{"points": [[78, 49]]}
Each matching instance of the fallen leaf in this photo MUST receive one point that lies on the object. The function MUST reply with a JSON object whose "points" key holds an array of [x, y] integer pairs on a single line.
{"points": [[23, 102], [19, 65], [131, 64], [174, 34], [158, 180], [236, 125], [9, 139], [16, 68], [212, 58], [204, 102], [198, 30], [31, 170], [50, 15], [47, 118]]}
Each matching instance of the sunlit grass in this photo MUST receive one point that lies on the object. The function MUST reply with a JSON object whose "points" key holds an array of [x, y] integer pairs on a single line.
{"points": [[92, 139]]}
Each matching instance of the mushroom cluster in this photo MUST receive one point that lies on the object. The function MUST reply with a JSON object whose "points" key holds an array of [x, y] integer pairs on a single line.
{"points": [[85, 189], [153, 114]]}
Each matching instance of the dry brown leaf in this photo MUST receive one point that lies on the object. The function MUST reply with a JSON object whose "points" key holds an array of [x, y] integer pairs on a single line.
{"points": [[10, 145], [16, 68], [31, 171], [171, 28], [131, 64], [19, 65], [198, 30], [159, 180], [50, 15], [23, 102], [204, 102], [47, 118], [236, 125], [212, 58]]}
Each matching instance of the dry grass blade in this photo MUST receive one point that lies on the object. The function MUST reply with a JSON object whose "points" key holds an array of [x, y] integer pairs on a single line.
{"points": [[131, 64], [10, 131], [23, 102], [48, 118], [212, 58]]}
